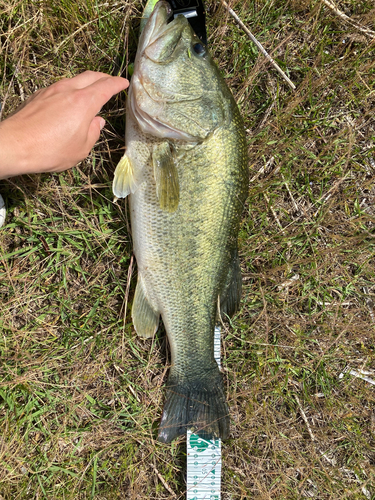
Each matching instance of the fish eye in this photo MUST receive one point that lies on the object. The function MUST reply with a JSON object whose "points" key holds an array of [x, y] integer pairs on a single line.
{"points": [[199, 49]]}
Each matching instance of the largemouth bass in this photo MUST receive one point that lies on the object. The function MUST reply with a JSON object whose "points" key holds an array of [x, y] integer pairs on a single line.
{"points": [[185, 169]]}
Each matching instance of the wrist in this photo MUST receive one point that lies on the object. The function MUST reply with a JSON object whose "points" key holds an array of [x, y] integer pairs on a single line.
{"points": [[13, 157]]}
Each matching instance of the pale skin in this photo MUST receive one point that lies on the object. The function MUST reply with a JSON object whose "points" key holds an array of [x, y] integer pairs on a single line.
{"points": [[57, 126]]}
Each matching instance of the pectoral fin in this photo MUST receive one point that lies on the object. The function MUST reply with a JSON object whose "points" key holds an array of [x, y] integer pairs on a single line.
{"points": [[124, 179], [145, 319], [166, 177]]}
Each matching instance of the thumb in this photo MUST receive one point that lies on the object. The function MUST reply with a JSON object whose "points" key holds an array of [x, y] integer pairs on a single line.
{"points": [[94, 130]]}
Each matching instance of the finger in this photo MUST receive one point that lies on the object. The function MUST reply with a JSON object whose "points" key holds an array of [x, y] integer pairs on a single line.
{"points": [[87, 78], [78, 82], [94, 131], [99, 92]]}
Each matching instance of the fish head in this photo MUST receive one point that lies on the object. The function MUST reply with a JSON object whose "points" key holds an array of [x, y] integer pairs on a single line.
{"points": [[177, 91]]}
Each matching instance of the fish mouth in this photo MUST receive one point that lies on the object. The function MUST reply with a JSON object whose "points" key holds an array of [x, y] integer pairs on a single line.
{"points": [[161, 33], [148, 97], [157, 105]]}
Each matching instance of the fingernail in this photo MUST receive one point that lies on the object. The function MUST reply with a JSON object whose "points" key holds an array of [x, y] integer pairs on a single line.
{"points": [[102, 123]]}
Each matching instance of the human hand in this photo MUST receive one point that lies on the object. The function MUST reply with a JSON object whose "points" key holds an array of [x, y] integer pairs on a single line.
{"points": [[57, 126]]}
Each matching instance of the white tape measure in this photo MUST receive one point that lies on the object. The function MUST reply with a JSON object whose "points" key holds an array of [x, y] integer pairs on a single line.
{"points": [[2, 211], [203, 478]]}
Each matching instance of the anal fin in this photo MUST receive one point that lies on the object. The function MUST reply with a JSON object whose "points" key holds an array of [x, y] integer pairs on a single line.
{"points": [[145, 318]]}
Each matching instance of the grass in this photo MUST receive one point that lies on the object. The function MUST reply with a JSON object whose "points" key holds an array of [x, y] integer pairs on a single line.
{"points": [[80, 394]]}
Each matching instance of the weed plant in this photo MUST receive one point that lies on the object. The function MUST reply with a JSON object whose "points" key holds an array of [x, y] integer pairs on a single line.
{"points": [[80, 394]]}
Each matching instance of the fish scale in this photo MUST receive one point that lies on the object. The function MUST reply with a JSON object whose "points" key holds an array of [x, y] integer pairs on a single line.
{"points": [[185, 169]]}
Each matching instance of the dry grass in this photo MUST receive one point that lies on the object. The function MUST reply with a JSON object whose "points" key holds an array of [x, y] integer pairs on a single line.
{"points": [[80, 394]]}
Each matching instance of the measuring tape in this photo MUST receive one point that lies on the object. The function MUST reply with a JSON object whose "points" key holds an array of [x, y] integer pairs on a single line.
{"points": [[203, 478], [2, 211]]}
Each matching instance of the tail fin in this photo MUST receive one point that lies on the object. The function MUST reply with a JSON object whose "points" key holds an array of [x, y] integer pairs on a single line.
{"points": [[199, 405]]}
